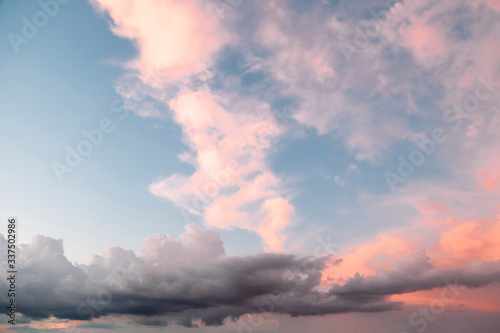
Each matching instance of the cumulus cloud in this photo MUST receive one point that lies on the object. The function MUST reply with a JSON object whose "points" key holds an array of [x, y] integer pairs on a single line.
{"points": [[228, 152], [191, 279], [175, 37], [172, 281], [178, 42]]}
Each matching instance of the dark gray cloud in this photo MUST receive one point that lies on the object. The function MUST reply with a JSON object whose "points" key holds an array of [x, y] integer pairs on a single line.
{"points": [[179, 281], [416, 273]]}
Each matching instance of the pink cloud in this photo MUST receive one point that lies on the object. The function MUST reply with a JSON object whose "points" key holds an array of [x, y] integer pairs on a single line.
{"points": [[482, 299], [307, 60], [434, 207], [229, 155], [486, 56], [495, 4], [278, 212], [426, 41], [319, 65], [428, 30], [178, 39], [488, 181], [175, 37], [462, 246], [468, 242], [487, 170], [368, 257], [457, 225]]}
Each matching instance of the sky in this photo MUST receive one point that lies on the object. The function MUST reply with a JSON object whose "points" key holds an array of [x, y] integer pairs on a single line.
{"points": [[251, 166]]}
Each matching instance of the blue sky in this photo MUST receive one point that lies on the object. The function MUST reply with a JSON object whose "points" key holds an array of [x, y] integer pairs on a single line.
{"points": [[45, 111]]}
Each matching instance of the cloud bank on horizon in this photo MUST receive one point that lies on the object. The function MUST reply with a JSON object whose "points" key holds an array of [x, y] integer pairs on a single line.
{"points": [[191, 282], [408, 91]]}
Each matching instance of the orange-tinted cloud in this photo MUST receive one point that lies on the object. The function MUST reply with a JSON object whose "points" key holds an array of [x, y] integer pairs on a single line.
{"points": [[458, 247], [368, 257], [467, 242]]}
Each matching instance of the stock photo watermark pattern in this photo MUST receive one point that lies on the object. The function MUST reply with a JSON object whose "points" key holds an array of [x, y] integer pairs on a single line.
{"points": [[204, 196], [93, 138], [453, 117], [368, 31], [233, 166], [12, 227], [31, 26]]}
